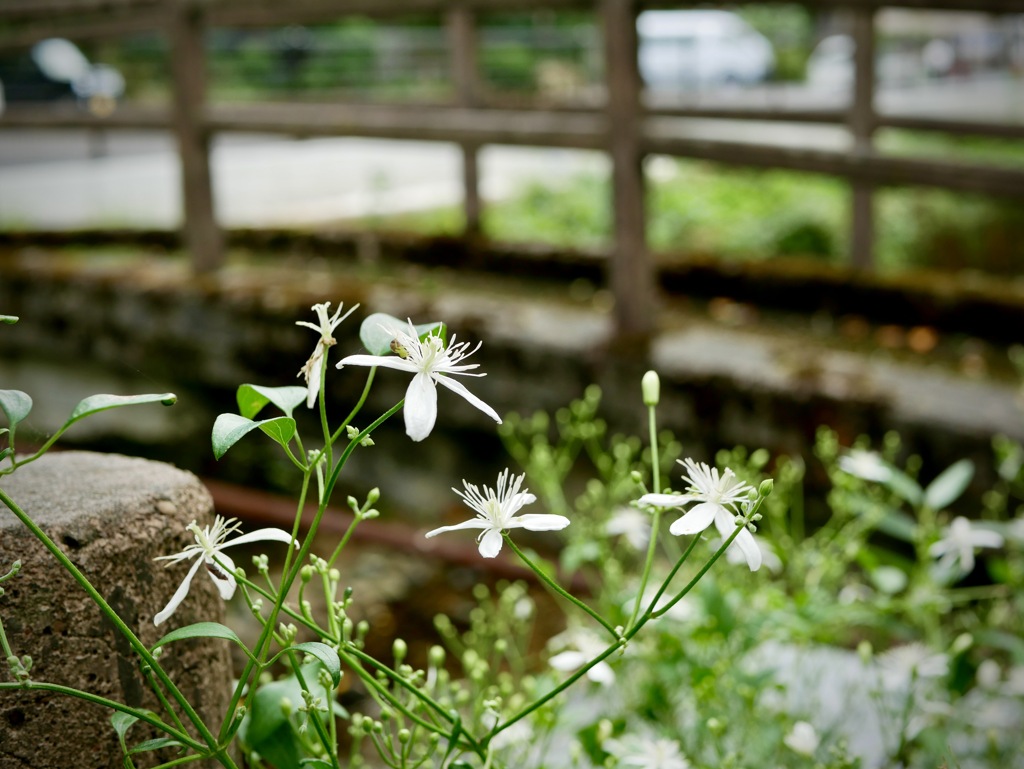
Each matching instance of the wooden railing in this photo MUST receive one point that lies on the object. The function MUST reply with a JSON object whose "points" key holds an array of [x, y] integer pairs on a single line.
{"points": [[623, 125]]}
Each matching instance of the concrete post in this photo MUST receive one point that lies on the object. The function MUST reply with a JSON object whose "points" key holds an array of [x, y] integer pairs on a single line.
{"points": [[112, 515]]}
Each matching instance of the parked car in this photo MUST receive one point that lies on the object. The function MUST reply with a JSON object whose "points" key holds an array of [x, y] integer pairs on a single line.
{"points": [[55, 69], [680, 49]]}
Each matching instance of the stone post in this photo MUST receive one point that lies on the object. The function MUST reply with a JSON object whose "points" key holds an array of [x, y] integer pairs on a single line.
{"points": [[112, 515]]}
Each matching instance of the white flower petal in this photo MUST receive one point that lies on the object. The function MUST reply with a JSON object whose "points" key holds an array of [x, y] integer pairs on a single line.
{"points": [[179, 595], [539, 522], [260, 535], [460, 389], [665, 500], [384, 361], [745, 542], [602, 673], [475, 523], [696, 520], [568, 660], [222, 573], [420, 407], [490, 543], [313, 377]]}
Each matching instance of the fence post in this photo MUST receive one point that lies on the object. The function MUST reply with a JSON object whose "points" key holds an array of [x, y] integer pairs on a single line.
{"points": [[862, 127], [631, 273], [465, 75], [203, 238]]}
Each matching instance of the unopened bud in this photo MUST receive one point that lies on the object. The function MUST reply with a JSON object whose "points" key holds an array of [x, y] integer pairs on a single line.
{"points": [[765, 489], [399, 648], [436, 656], [373, 495], [650, 386]]}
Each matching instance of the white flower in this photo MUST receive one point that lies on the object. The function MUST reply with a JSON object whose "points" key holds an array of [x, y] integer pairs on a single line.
{"points": [[802, 739], [208, 551], [866, 465], [957, 548], [314, 366], [431, 362], [581, 647], [900, 664], [647, 753], [769, 559], [632, 524], [716, 494], [496, 512]]}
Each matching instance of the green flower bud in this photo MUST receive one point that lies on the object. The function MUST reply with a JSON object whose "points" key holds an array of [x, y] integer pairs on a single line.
{"points": [[286, 706], [306, 573], [404, 735], [961, 643], [373, 495], [399, 648], [436, 656], [650, 386], [765, 489]]}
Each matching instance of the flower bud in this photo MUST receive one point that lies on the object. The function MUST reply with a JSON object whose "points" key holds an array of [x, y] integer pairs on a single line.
{"points": [[399, 648], [436, 656], [766, 487], [650, 386], [373, 495]]}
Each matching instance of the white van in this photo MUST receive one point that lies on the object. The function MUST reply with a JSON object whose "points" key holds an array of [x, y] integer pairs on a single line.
{"points": [[681, 49]]}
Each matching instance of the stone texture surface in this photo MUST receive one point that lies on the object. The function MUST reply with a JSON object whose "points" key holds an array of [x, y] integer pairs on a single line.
{"points": [[112, 515]]}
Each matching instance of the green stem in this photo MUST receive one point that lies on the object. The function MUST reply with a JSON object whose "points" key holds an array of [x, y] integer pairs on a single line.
{"points": [[325, 740], [559, 589], [115, 619], [344, 541], [656, 520], [143, 715], [263, 642], [358, 407]]}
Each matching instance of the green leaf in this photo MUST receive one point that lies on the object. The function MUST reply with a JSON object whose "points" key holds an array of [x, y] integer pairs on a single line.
{"points": [[122, 722], [202, 630], [252, 398], [97, 403], [380, 329], [231, 428], [326, 655], [9, 318], [316, 763], [905, 487], [15, 404], [949, 485], [266, 728], [898, 525], [156, 744], [889, 579]]}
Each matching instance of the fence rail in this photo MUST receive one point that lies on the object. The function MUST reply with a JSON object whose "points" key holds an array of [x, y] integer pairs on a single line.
{"points": [[625, 124]]}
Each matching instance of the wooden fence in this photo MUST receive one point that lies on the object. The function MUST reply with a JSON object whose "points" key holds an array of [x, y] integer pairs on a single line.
{"points": [[622, 126]]}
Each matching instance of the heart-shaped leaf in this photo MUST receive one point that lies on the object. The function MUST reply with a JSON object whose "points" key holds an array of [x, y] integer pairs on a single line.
{"points": [[252, 398], [379, 330], [16, 405], [97, 403], [228, 429]]}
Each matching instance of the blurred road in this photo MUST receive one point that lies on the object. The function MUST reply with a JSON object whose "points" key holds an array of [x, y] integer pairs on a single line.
{"points": [[69, 179]]}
